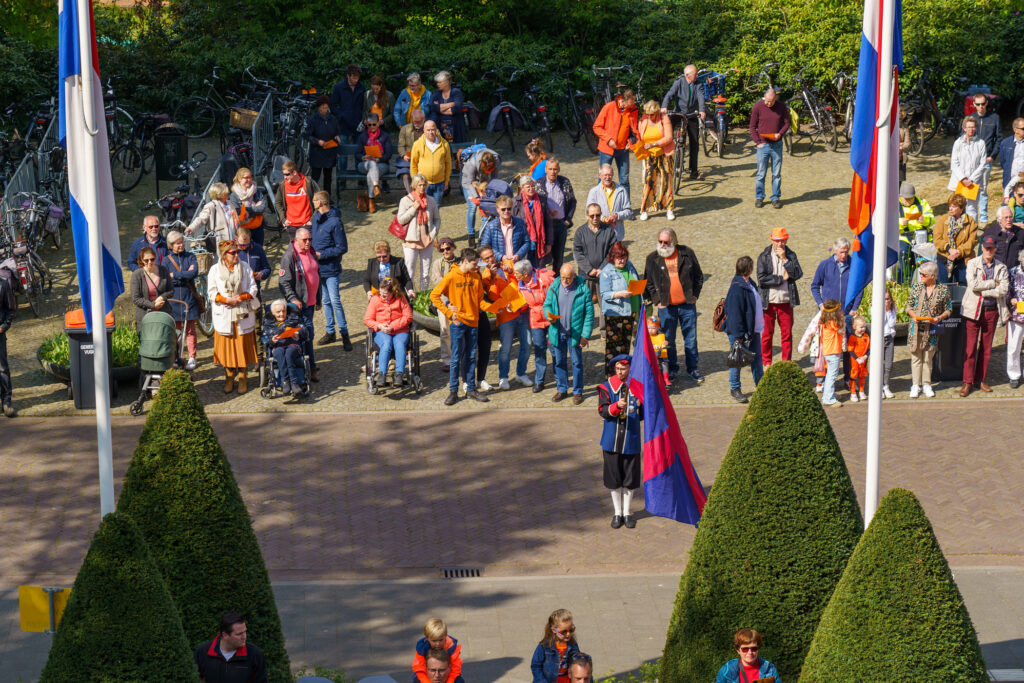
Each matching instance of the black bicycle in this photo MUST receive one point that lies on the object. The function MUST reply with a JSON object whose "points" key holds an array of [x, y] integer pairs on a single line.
{"points": [[576, 112], [136, 156], [608, 83], [500, 102], [533, 107], [199, 114], [844, 92], [809, 117], [923, 111]]}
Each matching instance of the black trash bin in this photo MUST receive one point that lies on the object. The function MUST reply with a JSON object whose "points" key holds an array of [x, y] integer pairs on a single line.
{"points": [[171, 150], [948, 365], [83, 377]]}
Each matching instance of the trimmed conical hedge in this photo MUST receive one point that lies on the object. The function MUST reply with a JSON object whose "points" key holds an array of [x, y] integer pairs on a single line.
{"points": [[779, 525], [896, 614], [180, 490], [120, 623]]}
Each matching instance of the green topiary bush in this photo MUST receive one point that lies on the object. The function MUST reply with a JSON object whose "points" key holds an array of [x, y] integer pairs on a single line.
{"points": [[896, 614], [180, 488], [120, 623], [780, 523]]}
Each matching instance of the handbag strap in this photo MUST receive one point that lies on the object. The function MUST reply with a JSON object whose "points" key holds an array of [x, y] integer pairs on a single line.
{"points": [[743, 675]]}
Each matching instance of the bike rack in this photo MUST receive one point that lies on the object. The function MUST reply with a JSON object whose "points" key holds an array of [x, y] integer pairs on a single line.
{"points": [[23, 179], [263, 134]]}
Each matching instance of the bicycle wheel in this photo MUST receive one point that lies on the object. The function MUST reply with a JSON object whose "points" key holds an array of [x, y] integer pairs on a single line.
{"points": [[148, 151], [196, 116], [126, 167], [828, 129], [119, 127], [916, 138], [544, 131], [55, 237], [571, 120], [678, 163], [847, 129], [205, 321], [723, 136], [795, 119], [510, 129], [587, 123], [931, 123], [707, 139], [42, 274]]}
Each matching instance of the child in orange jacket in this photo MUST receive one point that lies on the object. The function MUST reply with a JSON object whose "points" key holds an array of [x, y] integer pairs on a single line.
{"points": [[858, 346], [435, 637], [832, 325]]}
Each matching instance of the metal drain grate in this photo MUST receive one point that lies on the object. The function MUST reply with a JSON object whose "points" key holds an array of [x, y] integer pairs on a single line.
{"points": [[461, 572]]}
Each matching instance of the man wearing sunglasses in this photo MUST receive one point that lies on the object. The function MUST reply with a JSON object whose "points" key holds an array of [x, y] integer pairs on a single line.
{"points": [[151, 238], [299, 280], [1007, 147], [989, 132], [590, 247]]}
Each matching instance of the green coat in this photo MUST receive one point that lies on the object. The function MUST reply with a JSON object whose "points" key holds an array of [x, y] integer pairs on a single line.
{"points": [[581, 318]]}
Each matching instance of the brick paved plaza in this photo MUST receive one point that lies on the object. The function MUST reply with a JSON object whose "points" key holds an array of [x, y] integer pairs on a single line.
{"points": [[359, 500]]}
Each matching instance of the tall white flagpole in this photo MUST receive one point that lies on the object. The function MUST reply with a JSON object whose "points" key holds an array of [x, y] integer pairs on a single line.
{"points": [[882, 219], [105, 452]]}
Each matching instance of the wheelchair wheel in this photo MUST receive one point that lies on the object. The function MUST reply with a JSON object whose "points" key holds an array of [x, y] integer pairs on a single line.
{"points": [[263, 375], [266, 392], [135, 409], [417, 384], [371, 387]]}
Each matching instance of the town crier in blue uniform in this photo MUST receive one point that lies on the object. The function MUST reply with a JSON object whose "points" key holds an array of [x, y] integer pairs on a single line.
{"points": [[620, 403]]}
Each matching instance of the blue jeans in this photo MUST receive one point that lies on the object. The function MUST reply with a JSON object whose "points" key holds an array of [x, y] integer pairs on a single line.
{"points": [[560, 356], [982, 216], [331, 296], [391, 344], [769, 153], [289, 364], [683, 316], [517, 327], [756, 368], [470, 213], [959, 273], [436, 192], [307, 321], [463, 355], [621, 159], [828, 395], [539, 341]]}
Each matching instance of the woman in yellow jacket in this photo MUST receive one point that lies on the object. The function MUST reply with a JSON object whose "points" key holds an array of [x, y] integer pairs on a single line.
{"points": [[654, 150]]}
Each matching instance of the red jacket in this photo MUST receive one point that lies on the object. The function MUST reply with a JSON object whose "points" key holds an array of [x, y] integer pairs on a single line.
{"points": [[535, 290], [397, 313], [606, 127]]}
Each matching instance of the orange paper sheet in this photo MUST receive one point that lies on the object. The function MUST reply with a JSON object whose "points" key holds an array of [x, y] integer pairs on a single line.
{"points": [[552, 317], [289, 332], [970, 192], [330, 144], [373, 151], [923, 318], [637, 286]]}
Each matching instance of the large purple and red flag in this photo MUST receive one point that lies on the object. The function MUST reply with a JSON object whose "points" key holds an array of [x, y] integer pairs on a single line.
{"points": [[867, 220], [671, 486]]}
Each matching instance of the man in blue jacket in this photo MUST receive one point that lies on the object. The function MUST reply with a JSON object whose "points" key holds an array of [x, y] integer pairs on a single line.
{"points": [[831, 281], [1006, 150], [330, 244], [151, 238], [347, 106]]}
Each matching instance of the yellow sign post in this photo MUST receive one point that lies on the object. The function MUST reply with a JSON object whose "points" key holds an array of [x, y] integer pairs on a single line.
{"points": [[41, 608]]}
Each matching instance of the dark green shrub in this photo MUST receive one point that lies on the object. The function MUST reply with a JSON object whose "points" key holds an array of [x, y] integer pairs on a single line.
{"points": [[120, 623], [778, 528], [896, 614], [180, 489]]}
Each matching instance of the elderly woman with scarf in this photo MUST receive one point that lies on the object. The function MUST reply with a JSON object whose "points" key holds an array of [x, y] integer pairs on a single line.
{"points": [[377, 150], [232, 292], [249, 202], [218, 216], [418, 212], [531, 205], [955, 236], [655, 150]]}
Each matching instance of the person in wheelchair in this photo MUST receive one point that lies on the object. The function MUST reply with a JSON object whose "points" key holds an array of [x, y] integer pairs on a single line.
{"points": [[389, 316], [283, 335]]}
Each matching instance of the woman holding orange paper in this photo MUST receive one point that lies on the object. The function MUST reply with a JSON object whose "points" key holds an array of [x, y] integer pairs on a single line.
{"points": [[929, 303], [283, 334], [232, 292], [389, 316], [324, 134], [618, 304], [967, 165]]}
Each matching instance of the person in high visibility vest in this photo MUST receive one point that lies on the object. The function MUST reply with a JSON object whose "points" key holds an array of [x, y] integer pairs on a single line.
{"points": [[915, 214]]}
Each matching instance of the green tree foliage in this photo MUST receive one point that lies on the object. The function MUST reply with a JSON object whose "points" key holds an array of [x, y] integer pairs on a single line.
{"points": [[180, 488], [120, 623], [779, 526], [896, 613]]}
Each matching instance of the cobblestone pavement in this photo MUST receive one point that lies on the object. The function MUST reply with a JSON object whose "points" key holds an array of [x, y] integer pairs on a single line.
{"points": [[715, 216]]}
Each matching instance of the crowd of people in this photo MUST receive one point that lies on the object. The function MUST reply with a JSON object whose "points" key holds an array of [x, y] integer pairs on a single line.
{"points": [[437, 656]]}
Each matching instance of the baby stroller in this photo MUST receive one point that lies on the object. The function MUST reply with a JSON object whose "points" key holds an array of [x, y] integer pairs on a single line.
{"points": [[412, 364], [158, 353], [270, 381]]}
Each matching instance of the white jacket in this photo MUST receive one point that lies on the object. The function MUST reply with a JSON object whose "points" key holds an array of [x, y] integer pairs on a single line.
{"points": [[967, 161], [221, 313], [979, 288], [407, 210], [214, 217]]}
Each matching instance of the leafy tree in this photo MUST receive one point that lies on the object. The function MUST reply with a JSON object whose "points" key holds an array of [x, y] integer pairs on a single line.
{"points": [[896, 613], [120, 623], [180, 488], [780, 523]]}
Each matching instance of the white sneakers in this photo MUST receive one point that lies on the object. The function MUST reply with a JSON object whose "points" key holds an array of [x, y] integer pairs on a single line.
{"points": [[853, 397], [927, 391], [915, 391], [524, 380], [669, 215], [643, 216], [503, 384], [191, 364], [482, 385], [886, 393], [863, 396]]}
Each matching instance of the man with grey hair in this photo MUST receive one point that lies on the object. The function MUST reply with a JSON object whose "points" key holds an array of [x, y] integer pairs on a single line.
{"points": [[1008, 236], [570, 311], [613, 200], [415, 97], [769, 121], [690, 103], [299, 282], [375, 144], [591, 244], [408, 134], [674, 281], [832, 281]]}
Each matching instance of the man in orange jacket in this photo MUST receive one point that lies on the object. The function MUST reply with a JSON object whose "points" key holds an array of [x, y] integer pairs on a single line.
{"points": [[615, 127]]}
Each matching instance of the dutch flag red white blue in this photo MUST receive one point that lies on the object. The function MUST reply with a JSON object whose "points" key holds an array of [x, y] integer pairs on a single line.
{"points": [[671, 486], [93, 213], [866, 220]]}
